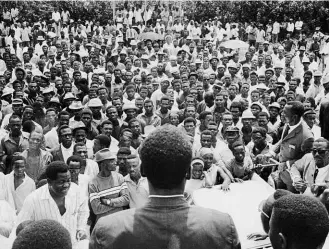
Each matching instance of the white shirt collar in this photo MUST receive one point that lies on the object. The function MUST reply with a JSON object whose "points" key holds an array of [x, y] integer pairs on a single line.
{"points": [[325, 168], [294, 126]]}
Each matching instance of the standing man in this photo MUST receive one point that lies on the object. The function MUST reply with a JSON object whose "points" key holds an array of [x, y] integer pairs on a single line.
{"points": [[294, 134], [89, 167], [168, 150], [159, 93], [108, 192], [12, 142], [138, 189], [149, 117], [276, 31], [19, 184], [37, 159], [59, 200], [65, 148]]}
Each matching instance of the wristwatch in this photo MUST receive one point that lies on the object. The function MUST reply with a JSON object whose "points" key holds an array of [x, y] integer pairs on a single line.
{"points": [[108, 202]]}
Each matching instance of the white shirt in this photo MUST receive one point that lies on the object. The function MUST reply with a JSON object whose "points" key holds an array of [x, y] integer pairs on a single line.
{"points": [[276, 28], [56, 16], [51, 138], [7, 215], [19, 194], [290, 27], [40, 205], [66, 152], [83, 181], [322, 175], [298, 25], [291, 128]]}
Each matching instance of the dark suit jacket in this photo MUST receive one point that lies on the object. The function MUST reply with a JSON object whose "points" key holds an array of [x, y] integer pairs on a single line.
{"points": [[290, 148], [165, 223], [324, 119]]}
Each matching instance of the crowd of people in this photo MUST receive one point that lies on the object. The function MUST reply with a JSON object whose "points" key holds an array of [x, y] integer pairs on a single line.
{"points": [[139, 112]]}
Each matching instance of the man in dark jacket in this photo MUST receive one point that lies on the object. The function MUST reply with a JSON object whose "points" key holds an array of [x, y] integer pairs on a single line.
{"points": [[166, 221]]}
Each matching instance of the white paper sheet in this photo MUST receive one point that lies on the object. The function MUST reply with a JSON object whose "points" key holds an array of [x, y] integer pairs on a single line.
{"points": [[241, 203]]}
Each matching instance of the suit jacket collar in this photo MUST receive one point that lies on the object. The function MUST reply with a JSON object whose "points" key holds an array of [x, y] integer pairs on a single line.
{"points": [[293, 133]]}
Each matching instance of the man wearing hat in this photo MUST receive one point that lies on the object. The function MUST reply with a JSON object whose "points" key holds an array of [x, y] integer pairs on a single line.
{"points": [[309, 118], [108, 191], [315, 88], [220, 71], [232, 68], [38, 46], [214, 63], [305, 62], [318, 35], [130, 110], [95, 105], [86, 118], [274, 117], [17, 107], [79, 132], [48, 93], [280, 90], [67, 99], [6, 97]]}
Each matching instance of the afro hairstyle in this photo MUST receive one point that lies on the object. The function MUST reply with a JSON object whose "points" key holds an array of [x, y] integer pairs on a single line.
{"points": [[43, 234], [165, 157], [302, 219]]}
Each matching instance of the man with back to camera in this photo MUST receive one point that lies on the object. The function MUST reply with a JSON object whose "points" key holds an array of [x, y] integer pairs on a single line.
{"points": [[165, 161], [298, 221]]}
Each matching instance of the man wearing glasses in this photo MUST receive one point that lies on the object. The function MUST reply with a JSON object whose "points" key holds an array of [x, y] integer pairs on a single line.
{"points": [[314, 168]]}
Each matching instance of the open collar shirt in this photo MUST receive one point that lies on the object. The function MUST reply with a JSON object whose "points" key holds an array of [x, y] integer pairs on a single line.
{"points": [[40, 205]]}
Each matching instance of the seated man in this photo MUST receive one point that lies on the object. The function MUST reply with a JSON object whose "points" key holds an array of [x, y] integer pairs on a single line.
{"points": [[314, 169], [298, 221]]}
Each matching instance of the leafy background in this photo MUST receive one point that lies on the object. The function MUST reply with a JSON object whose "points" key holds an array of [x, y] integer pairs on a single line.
{"points": [[313, 13]]}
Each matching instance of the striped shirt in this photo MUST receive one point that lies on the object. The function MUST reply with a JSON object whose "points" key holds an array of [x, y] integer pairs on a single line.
{"points": [[40, 205], [112, 187]]}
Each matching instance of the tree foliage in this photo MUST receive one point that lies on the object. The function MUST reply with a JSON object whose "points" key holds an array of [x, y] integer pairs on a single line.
{"points": [[313, 13]]}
